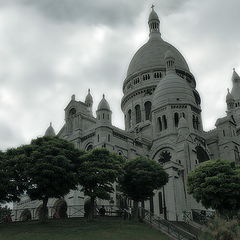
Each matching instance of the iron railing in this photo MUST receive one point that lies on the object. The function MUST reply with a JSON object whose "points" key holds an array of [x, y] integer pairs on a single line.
{"points": [[165, 226]]}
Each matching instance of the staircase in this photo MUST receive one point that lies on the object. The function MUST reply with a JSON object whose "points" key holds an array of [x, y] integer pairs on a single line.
{"points": [[175, 231]]}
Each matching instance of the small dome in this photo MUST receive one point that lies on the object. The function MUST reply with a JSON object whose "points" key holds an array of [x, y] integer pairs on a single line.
{"points": [[153, 15], [50, 131], [103, 105], [172, 88], [229, 97], [235, 76], [89, 98], [236, 85]]}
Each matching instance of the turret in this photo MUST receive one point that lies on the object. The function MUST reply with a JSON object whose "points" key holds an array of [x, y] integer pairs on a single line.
{"points": [[89, 101], [104, 114], [50, 131], [229, 100]]}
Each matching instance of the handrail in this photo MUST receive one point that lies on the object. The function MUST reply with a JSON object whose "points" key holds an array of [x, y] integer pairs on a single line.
{"points": [[165, 226]]}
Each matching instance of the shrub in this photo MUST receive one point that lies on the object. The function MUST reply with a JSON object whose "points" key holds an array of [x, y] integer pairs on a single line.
{"points": [[221, 229]]}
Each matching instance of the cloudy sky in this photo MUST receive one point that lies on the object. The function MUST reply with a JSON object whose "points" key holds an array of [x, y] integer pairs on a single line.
{"points": [[51, 49]]}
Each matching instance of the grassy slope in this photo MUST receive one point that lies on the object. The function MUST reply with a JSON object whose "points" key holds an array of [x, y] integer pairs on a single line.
{"points": [[75, 229]]}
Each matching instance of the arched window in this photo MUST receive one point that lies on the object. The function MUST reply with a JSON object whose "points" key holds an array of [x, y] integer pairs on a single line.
{"points": [[89, 147], [236, 154], [183, 115], [98, 137], [176, 119], [160, 199], [165, 156], [159, 124], [197, 123], [148, 108], [164, 122], [109, 137], [138, 113], [129, 118], [202, 155], [103, 116], [194, 122]]}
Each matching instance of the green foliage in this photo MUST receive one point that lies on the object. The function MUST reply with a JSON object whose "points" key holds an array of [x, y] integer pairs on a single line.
{"points": [[97, 172], [8, 188], [4, 212], [141, 177], [220, 229], [45, 168], [216, 183]]}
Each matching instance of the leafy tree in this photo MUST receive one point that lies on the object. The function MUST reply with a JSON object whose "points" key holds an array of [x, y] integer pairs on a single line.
{"points": [[141, 177], [97, 172], [45, 168], [8, 188], [216, 183]]}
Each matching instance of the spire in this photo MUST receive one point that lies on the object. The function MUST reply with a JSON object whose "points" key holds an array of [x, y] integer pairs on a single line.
{"points": [[153, 22]]}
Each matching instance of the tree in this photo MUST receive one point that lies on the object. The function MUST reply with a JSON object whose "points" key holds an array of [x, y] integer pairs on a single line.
{"points": [[97, 172], [216, 183], [45, 168], [141, 177], [8, 188]]}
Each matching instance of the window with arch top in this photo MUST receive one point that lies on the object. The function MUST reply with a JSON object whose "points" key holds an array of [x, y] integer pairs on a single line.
{"points": [[138, 113], [148, 108]]}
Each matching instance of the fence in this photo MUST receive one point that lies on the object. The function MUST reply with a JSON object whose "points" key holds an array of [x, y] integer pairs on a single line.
{"points": [[67, 211], [165, 226]]}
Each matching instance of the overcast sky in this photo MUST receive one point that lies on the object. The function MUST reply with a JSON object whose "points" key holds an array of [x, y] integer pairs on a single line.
{"points": [[51, 49]]}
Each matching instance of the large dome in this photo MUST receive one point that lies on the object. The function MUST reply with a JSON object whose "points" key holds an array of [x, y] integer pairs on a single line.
{"points": [[151, 55]]}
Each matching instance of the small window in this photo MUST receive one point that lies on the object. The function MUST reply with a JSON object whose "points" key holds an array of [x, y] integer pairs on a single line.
{"points": [[98, 137], [109, 137], [159, 124], [103, 116], [164, 122]]}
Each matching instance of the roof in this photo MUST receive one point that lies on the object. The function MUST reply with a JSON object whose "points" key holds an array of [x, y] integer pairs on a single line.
{"points": [[50, 131], [103, 105], [152, 54]]}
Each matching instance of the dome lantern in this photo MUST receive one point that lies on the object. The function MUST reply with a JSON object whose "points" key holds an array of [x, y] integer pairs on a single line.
{"points": [[153, 22]]}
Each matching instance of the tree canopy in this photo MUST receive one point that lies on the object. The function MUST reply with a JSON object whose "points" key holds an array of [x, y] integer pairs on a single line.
{"points": [[141, 177], [45, 168], [216, 183], [97, 172]]}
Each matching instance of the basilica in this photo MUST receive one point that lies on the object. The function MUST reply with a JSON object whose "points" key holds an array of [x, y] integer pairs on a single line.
{"points": [[162, 114]]}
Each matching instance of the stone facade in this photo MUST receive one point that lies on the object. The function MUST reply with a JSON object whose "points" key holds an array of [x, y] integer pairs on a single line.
{"points": [[162, 111]]}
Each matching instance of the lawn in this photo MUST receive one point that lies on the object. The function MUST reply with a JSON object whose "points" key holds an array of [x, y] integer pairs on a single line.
{"points": [[78, 229]]}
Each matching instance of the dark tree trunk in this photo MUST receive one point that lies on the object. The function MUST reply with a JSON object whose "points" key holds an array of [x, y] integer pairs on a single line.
{"points": [[92, 208], [135, 210], [44, 216]]}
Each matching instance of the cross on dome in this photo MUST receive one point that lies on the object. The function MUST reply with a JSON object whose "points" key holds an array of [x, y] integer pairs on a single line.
{"points": [[152, 7]]}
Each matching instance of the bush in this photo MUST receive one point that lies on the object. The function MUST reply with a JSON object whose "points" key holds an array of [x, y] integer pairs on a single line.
{"points": [[220, 229]]}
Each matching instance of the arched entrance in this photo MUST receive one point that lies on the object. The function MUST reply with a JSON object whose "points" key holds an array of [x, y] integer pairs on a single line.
{"points": [[60, 207], [25, 215], [39, 212]]}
